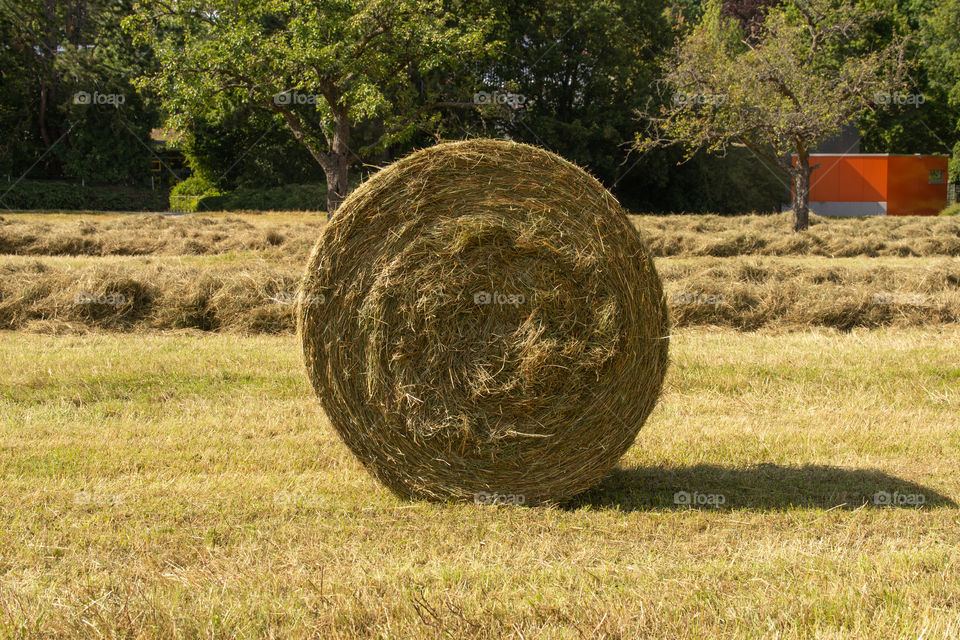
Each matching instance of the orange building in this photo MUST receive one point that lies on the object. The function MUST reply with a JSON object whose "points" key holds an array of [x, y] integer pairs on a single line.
{"points": [[863, 184]]}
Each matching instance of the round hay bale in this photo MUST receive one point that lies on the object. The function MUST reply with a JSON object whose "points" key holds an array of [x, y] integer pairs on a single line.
{"points": [[481, 321]]}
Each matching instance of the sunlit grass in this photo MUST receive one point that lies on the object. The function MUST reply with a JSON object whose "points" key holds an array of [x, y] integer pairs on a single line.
{"points": [[184, 485]]}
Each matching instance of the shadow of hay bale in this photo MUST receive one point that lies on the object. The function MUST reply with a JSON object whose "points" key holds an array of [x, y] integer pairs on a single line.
{"points": [[766, 487]]}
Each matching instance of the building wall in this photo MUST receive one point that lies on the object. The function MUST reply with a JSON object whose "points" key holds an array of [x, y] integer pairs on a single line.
{"points": [[877, 184], [912, 187]]}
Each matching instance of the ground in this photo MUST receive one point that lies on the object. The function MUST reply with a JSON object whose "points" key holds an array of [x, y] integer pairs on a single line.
{"points": [[183, 483]]}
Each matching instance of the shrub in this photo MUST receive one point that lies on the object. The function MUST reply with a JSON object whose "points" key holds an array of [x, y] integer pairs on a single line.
{"points": [[186, 195], [59, 196], [288, 197]]}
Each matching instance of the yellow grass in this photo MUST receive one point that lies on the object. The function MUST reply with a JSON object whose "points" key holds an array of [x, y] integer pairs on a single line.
{"points": [[179, 485], [253, 291], [182, 484]]}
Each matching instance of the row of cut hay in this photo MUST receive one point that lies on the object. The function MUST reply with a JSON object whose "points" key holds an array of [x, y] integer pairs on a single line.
{"points": [[739, 293], [666, 236], [769, 235], [134, 235], [756, 293], [135, 297]]}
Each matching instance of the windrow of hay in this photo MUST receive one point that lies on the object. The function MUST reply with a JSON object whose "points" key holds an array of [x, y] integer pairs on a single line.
{"points": [[495, 329], [787, 294], [769, 235], [35, 296], [284, 237], [742, 293], [134, 235]]}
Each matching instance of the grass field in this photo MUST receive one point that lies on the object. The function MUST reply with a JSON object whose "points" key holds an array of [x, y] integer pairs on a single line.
{"points": [[183, 484]]}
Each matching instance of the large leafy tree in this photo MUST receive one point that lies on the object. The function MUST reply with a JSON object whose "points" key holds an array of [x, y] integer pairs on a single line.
{"points": [[790, 83], [321, 67], [923, 121], [577, 72]]}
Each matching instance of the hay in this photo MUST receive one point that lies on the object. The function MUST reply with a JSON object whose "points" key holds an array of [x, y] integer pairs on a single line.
{"points": [[255, 296], [493, 327], [289, 239]]}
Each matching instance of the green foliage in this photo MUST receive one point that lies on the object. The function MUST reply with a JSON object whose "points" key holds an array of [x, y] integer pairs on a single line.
{"points": [[582, 70], [242, 146], [952, 210], [953, 166], [320, 68], [21, 140], [192, 186], [941, 34], [737, 182], [290, 197], [186, 195], [46, 195], [54, 51], [924, 121], [56, 196]]}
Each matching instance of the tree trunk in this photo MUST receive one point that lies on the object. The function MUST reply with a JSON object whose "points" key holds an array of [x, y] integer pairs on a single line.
{"points": [[336, 182], [801, 190], [337, 169], [336, 162], [48, 78]]}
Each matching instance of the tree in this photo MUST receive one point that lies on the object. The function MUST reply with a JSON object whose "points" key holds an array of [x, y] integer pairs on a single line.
{"points": [[941, 31], [572, 75], [922, 121], [53, 52], [321, 67], [809, 68]]}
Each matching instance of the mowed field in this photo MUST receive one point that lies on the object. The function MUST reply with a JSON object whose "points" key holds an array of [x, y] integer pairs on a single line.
{"points": [[165, 471], [73, 273]]}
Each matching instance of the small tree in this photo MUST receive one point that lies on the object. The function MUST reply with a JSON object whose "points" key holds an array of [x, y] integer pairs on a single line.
{"points": [[322, 67], [780, 89]]}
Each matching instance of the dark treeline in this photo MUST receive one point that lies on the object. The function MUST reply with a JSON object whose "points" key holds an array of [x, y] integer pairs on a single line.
{"points": [[568, 76]]}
